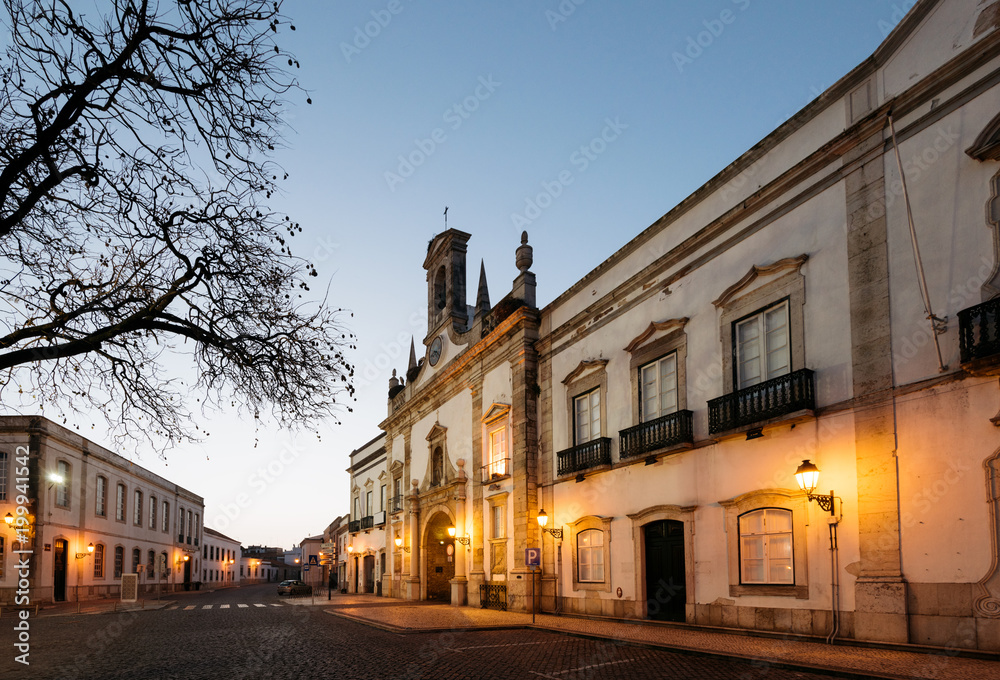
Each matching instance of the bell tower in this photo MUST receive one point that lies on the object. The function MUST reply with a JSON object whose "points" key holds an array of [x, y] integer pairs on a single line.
{"points": [[445, 265]]}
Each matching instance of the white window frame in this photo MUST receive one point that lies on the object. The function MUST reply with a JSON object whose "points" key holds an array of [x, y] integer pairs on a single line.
{"points": [[99, 558], [101, 496], [152, 513], [121, 502], [656, 368], [590, 403], [768, 343], [580, 528], [765, 539], [137, 510], [590, 556], [3, 475], [62, 490], [166, 517]]}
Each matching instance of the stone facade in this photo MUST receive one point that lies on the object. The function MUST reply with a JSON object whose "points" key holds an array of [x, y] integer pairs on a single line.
{"points": [[816, 301]]}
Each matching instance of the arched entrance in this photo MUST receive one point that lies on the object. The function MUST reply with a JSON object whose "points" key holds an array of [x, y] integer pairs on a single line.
{"points": [[59, 557], [439, 558], [665, 582]]}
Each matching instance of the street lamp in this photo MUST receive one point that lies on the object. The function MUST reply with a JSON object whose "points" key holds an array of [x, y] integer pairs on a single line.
{"points": [[464, 540], [543, 519], [399, 544], [90, 550], [807, 476]]}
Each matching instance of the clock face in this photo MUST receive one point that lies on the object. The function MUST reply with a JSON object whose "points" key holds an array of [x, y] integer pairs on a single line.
{"points": [[435, 352]]}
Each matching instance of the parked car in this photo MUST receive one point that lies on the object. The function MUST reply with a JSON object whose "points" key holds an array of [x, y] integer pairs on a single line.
{"points": [[294, 588]]}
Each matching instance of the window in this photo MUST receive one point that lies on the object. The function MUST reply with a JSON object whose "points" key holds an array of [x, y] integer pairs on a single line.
{"points": [[766, 547], [762, 346], [180, 525], [3, 475], [197, 523], [368, 504], [120, 507], [590, 556], [658, 387], [1, 555], [119, 560], [62, 489], [357, 508], [397, 486], [166, 517], [587, 417], [152, 512], [150, 562], [136, 560], [382, 499], [137, 508], [498, 525], [99, 560], [204, 552], [101, 501], [190, 522], [498, 451]]}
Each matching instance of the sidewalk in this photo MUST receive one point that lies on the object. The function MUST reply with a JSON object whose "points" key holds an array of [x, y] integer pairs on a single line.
{"points": [[879, 661]]}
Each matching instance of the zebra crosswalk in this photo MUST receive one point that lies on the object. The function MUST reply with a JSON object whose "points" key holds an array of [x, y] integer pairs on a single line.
{"points": [[239, 605]]}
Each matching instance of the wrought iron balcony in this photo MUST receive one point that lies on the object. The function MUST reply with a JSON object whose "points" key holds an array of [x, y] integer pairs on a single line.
{"points": [[764, 401], [668, 430], [396, 503], [354, 526], [496, 470], [585, 456], [367, 522], [979, 331]]}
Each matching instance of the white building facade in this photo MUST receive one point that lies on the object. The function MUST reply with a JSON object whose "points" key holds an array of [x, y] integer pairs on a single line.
{"points": [[823, 299], [365, 550], [219, 556], [89, 517]]}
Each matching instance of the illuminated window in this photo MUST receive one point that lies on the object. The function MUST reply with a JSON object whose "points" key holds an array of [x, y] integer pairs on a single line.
{"points": [[766, 547], [99, 560], [590, 556]]}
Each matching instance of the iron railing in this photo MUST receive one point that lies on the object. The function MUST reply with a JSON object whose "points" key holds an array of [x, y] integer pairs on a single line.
{"points": [[585, 456], [367, 522], [770, 399], [354, 526], [668, 430], [493, 596], [396, 503], [496, 469], [979, 331]]}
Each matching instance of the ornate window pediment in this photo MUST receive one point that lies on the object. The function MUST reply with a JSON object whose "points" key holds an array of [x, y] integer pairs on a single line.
{"points": [[987, 144], [656, 329], [495, 412], [758, 276], [439, 431], [585, 368]]}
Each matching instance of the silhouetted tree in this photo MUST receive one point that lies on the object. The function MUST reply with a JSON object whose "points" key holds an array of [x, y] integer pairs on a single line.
{"points": [[136, 148]]}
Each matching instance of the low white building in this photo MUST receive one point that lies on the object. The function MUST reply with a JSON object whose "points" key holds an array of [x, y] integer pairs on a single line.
{"points": [[89, 517], [219, 555], [367, 562]]}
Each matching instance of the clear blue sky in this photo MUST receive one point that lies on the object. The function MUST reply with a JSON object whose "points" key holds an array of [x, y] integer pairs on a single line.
{"points": [[490, 104]]}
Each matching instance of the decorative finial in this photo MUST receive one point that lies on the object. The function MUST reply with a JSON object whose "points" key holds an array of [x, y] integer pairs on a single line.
{"points": [[523, 255]]}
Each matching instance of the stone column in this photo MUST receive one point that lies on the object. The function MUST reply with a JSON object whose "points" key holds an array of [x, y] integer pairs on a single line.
{"points": [[460, 584], [880, 591], [412, 560]]}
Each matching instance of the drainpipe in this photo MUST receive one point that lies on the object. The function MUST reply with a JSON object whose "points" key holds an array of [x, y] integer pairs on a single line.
{"points": [[938, 325], [834, 580]]}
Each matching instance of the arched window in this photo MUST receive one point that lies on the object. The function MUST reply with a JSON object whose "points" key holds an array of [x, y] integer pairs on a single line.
{"points": [[136, 560], [62, 489], [440, 289], [150, 563], [590, 556], [438, 466], [152, 512], [101, 497], [766, 547], [166, 517], [137, 508], [120, 506], [119, 560], [99, 560]]}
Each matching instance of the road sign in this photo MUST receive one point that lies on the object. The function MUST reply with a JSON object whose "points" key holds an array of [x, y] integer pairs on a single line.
{"points": [[314, 559], [305, 568], [532, 557], [327, 546]]}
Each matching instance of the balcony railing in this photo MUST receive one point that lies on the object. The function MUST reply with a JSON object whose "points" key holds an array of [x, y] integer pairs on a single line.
{"points": [[354, 526], [396, 503], [496, 470], [367, 522], [669, 430], [770, 399], [585, 456], [493, 596], [979, 331]]}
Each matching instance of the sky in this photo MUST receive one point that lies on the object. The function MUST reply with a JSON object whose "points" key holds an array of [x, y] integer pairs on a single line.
{"points": [[579, 121]]}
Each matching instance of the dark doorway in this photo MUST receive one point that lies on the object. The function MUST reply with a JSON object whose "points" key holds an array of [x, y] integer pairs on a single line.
{"points": [[59, 570], [187, 574], [356, 574], [439, 553], [369, 573], [665, 587]]}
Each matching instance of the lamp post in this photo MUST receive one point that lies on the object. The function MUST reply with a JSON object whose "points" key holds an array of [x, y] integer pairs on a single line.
{"points": [[464, 540], [399, 544], [807, 477]]}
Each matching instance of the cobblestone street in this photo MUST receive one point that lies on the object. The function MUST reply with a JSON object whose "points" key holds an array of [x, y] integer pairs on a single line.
{"points": [[259, 635]]}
